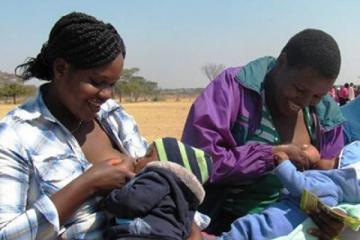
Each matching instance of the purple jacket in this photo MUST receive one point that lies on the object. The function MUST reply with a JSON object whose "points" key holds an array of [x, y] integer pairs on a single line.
{"points": [[214, 115]]}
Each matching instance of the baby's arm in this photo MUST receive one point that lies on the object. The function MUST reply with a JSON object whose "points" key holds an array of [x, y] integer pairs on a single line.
{"points": [[296, 182], [138, 196]]}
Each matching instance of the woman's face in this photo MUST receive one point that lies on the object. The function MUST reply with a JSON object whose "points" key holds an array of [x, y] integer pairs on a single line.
{"points": [[82, 91], [299, 88]]}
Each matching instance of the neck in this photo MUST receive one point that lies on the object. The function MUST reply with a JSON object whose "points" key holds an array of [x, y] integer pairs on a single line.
{"points": [[57, 108]]}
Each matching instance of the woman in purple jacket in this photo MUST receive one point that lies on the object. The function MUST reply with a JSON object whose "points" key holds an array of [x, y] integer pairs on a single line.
{"points": [[248, 113]]}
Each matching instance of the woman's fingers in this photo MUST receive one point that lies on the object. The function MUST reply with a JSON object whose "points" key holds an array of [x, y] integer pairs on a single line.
{"points": [[329, 226], [319, 234]]}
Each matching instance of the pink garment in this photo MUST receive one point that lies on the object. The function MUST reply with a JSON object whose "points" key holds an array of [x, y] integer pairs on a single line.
{"points": [[332, 93], [344, 92]]}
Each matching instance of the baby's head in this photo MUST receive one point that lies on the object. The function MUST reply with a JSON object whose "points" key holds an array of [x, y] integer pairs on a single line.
{"points": [[192, 165], [312, 153]]}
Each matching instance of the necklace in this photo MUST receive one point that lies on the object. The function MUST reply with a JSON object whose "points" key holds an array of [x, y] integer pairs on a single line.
{"points": [[77, 127]]}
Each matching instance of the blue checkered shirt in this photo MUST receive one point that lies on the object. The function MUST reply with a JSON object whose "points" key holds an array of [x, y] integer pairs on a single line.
{"points": [[39, 156]]}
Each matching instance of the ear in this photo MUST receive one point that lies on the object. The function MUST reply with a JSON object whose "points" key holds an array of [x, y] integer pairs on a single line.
{"points": [[60, 68]]}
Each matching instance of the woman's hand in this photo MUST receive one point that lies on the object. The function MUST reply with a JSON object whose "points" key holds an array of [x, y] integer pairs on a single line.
{"points": [[329, 226], [279, 157], [296, 154], [109, 174]]}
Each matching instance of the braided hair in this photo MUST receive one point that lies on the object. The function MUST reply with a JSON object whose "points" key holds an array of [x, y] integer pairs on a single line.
{"points": [[316, 49], [81, 40]]}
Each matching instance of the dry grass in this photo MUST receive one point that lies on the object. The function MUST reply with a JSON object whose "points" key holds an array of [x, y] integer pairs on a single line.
{"points": [[159, 119], [155, 119], [5, 108]]}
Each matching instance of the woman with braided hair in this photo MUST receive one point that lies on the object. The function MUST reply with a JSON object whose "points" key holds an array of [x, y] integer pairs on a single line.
{"points": [[57, 150]]}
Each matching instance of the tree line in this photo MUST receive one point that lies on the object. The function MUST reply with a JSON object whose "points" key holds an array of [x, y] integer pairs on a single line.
{"points": [[131, 86]]}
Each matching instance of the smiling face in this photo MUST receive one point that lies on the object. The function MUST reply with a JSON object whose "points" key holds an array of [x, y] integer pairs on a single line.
{"points": [[295, 89], [82, 91]]}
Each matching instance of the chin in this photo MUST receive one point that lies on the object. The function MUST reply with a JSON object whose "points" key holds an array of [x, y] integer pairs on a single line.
{"points": [[288, 111]]}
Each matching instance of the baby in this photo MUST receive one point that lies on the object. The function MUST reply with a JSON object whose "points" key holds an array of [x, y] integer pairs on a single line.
{"points": [[331, 186], [161, 200]]}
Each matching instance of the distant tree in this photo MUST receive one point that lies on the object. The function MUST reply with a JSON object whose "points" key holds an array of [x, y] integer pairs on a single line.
{"points": [[13, 90], [151, 89], [211, 70], [122, 87], [134, 86], [128, 73]]}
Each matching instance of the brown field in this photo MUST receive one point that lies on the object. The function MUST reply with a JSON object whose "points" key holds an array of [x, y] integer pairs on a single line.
{"points": [[155, 119]]}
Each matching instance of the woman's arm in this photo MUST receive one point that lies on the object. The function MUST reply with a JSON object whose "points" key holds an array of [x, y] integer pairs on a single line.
{"points": [[209, 124], [329, 227], [22, 216], [105, 175], [25, 211]]}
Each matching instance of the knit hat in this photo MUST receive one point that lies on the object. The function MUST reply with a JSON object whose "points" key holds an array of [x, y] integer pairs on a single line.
{"points": [[192, 165], [193, 159]]}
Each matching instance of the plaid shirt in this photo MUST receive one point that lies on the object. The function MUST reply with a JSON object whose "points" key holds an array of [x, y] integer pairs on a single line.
{"points": [[39, 156]]}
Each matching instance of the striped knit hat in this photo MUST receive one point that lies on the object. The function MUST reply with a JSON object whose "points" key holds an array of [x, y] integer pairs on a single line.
{"points": [[193, 159]]}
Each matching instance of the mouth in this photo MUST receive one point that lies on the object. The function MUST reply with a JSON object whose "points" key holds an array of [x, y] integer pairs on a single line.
{"points": [[95, 105], [294, 107]]}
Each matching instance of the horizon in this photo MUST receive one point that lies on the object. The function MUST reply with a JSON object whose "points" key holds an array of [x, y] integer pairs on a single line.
{"points": [[171, 40]]}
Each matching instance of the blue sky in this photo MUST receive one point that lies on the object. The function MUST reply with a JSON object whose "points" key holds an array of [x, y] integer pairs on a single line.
{"points": [[169, 40]]}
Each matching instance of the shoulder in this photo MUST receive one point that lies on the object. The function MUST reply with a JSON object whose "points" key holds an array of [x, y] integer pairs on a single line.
{"points": [[227, 77], [351, 107], [115, 114], [111, 107], [224, 86]]}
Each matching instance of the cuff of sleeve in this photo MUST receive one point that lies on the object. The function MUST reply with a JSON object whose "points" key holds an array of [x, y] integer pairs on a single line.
{"points": [[49, 211], [282, 167], [268, 157]]}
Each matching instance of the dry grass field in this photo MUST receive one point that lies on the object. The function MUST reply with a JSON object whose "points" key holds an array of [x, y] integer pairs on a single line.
{"points": [[155, 119], [160, 119]]}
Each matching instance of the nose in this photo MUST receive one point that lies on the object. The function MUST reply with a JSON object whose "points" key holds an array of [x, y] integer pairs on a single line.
{"points": [[106, 92]]}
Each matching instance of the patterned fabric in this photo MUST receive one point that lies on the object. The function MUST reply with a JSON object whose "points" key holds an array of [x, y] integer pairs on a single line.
{"points": [[193, 159], [39, 156], [266, 132], [253, 198], [266, 190]]}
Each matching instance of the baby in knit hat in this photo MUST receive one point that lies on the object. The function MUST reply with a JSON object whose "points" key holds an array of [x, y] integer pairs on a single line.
{"points": [[161, 200]]}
